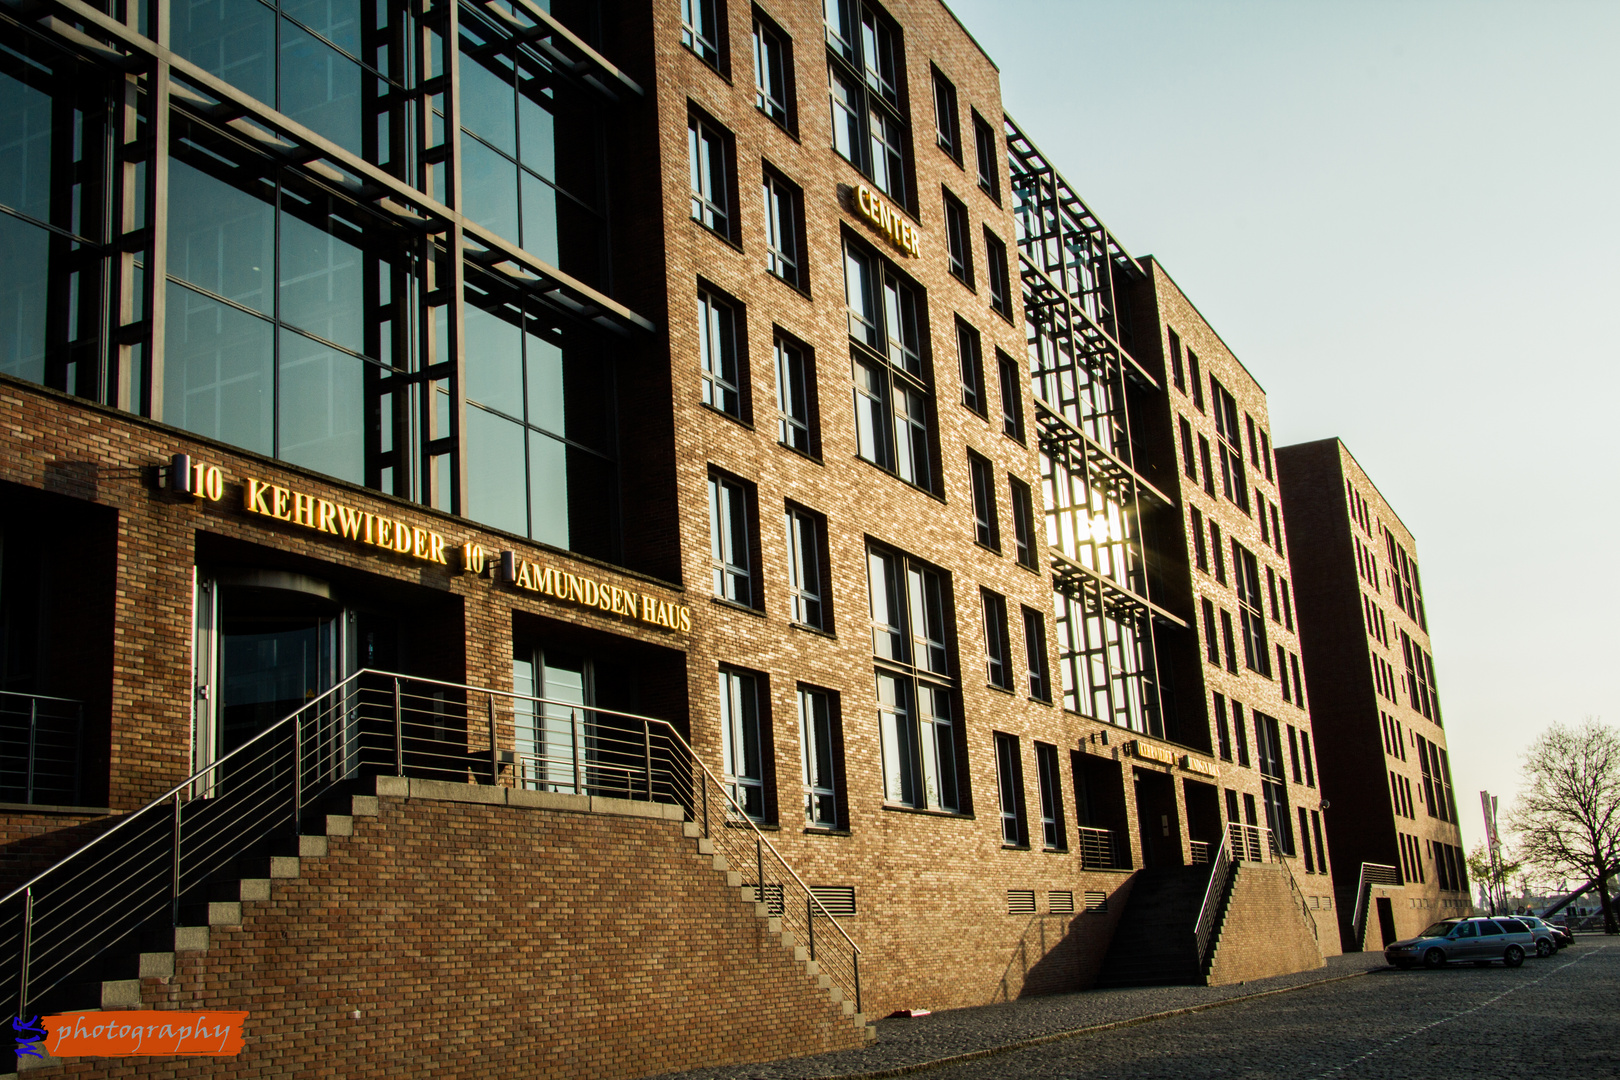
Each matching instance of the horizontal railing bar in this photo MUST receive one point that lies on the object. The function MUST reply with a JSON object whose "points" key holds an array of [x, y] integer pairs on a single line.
{"points": [[40, 697]]}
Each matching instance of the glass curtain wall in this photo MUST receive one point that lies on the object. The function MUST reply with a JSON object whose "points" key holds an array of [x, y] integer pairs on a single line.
{"points": [[53, 217], [1105, 635], [305, 316]]}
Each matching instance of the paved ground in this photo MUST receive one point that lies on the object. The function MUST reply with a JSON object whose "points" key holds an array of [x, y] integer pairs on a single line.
{"points": [[1552, 1018]]}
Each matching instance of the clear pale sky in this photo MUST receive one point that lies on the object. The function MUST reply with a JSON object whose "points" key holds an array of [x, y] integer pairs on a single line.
{"points": [[1402, 218]]}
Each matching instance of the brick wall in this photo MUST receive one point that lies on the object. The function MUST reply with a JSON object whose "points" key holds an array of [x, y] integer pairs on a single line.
{"points": [[1264, 932], [487, 940]]}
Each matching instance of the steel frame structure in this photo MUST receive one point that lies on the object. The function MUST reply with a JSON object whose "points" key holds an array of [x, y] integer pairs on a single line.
{"points": [[1069, 264], [419, 190]]}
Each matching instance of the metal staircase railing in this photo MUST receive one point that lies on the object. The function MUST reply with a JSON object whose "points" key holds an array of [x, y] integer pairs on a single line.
{"points": [[1214, 892], [41, 740], [149, 866]]}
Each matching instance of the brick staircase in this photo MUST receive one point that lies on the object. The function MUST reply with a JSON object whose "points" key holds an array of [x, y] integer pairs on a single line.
{"points": [[1154, 943], [260, 888]]}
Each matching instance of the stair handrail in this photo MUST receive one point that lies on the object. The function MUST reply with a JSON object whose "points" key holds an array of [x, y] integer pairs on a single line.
{"points": [[1204, 930], [1293, 884], [203, 779], [1371, 874]]}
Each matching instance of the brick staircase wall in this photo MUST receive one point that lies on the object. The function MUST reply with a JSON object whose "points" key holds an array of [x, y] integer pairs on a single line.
{"points": [[1264, 933], [481, 939]]}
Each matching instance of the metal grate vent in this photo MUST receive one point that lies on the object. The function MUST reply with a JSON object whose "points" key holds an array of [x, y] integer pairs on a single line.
{"points": [[839, 900], [1060, 901], [1096, 901], [1020, 901]]}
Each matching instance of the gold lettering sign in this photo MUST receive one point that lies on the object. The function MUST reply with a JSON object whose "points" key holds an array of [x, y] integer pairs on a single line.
{"points": [[902, 233], [324, 515], [1199, 765], [574, 589], [1153, 753]]}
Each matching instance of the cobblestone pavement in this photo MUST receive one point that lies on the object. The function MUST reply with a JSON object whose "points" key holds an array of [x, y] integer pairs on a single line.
{"points": [[1550, 1018]]}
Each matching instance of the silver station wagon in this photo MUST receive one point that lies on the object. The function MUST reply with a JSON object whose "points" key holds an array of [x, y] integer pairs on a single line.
{"points": [[1478, 940]]}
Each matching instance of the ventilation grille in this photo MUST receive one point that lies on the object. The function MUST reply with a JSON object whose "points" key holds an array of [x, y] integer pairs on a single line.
{"points": [[839, 900], [1020, 901], [1060, 901], [1096, 901]]}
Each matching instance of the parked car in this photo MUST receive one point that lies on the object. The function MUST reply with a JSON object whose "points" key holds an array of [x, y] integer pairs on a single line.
{"points": [[1475, 940], [1549, 938], [1559, 925]]}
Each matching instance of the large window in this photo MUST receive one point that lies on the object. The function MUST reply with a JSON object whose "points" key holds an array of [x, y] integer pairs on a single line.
{"points": [[1012, 396], [1010, 788], [869, 128], [531, 150], [719, 355], [742, 737], [703, 29], [1273, 784], [784, 225], [1234, 480], [730, 550], [989, 160], [795, 383], [997, 651], [1023, 515], [1053, 835], [958, 242], [995, 261], [806, 542], [773, 72], [892, 399], [986, 524], [1040, 683], [540, 436], [967, 351], [947, 122], [823, 751], [915, 691], [708, 155], [52, 205], [1253, 616]]}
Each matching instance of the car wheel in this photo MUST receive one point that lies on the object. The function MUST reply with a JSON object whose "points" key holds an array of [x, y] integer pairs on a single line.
{"points": [[1434, 958], [1544, 947], [1513, 957]]}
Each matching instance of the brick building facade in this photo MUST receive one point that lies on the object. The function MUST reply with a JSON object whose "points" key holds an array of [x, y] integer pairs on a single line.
{"points": [[1368, 656], [740, 367]]}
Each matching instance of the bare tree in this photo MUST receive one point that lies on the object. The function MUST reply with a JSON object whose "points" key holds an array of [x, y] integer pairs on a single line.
{"points": [[1568, 813]]}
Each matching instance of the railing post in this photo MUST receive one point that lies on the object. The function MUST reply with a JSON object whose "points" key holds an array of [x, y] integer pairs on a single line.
{"points": [[399, 733], [759, 868], [494, 753], [298, 774], [27, 940], [810, 921], [33, 722], [573, 745], [174, 864], [703, 782], [646, 745], [855, 958], [78, 754]]}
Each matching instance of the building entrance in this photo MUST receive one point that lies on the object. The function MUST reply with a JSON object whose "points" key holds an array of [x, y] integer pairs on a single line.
{"points": [[1157, 819], [266, 642]]}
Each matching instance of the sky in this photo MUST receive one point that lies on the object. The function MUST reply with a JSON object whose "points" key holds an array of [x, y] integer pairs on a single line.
{"points": [[1404, 218]]}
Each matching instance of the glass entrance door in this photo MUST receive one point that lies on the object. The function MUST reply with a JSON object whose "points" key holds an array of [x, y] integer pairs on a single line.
{"points": [[551, 737], [265, 645]]}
